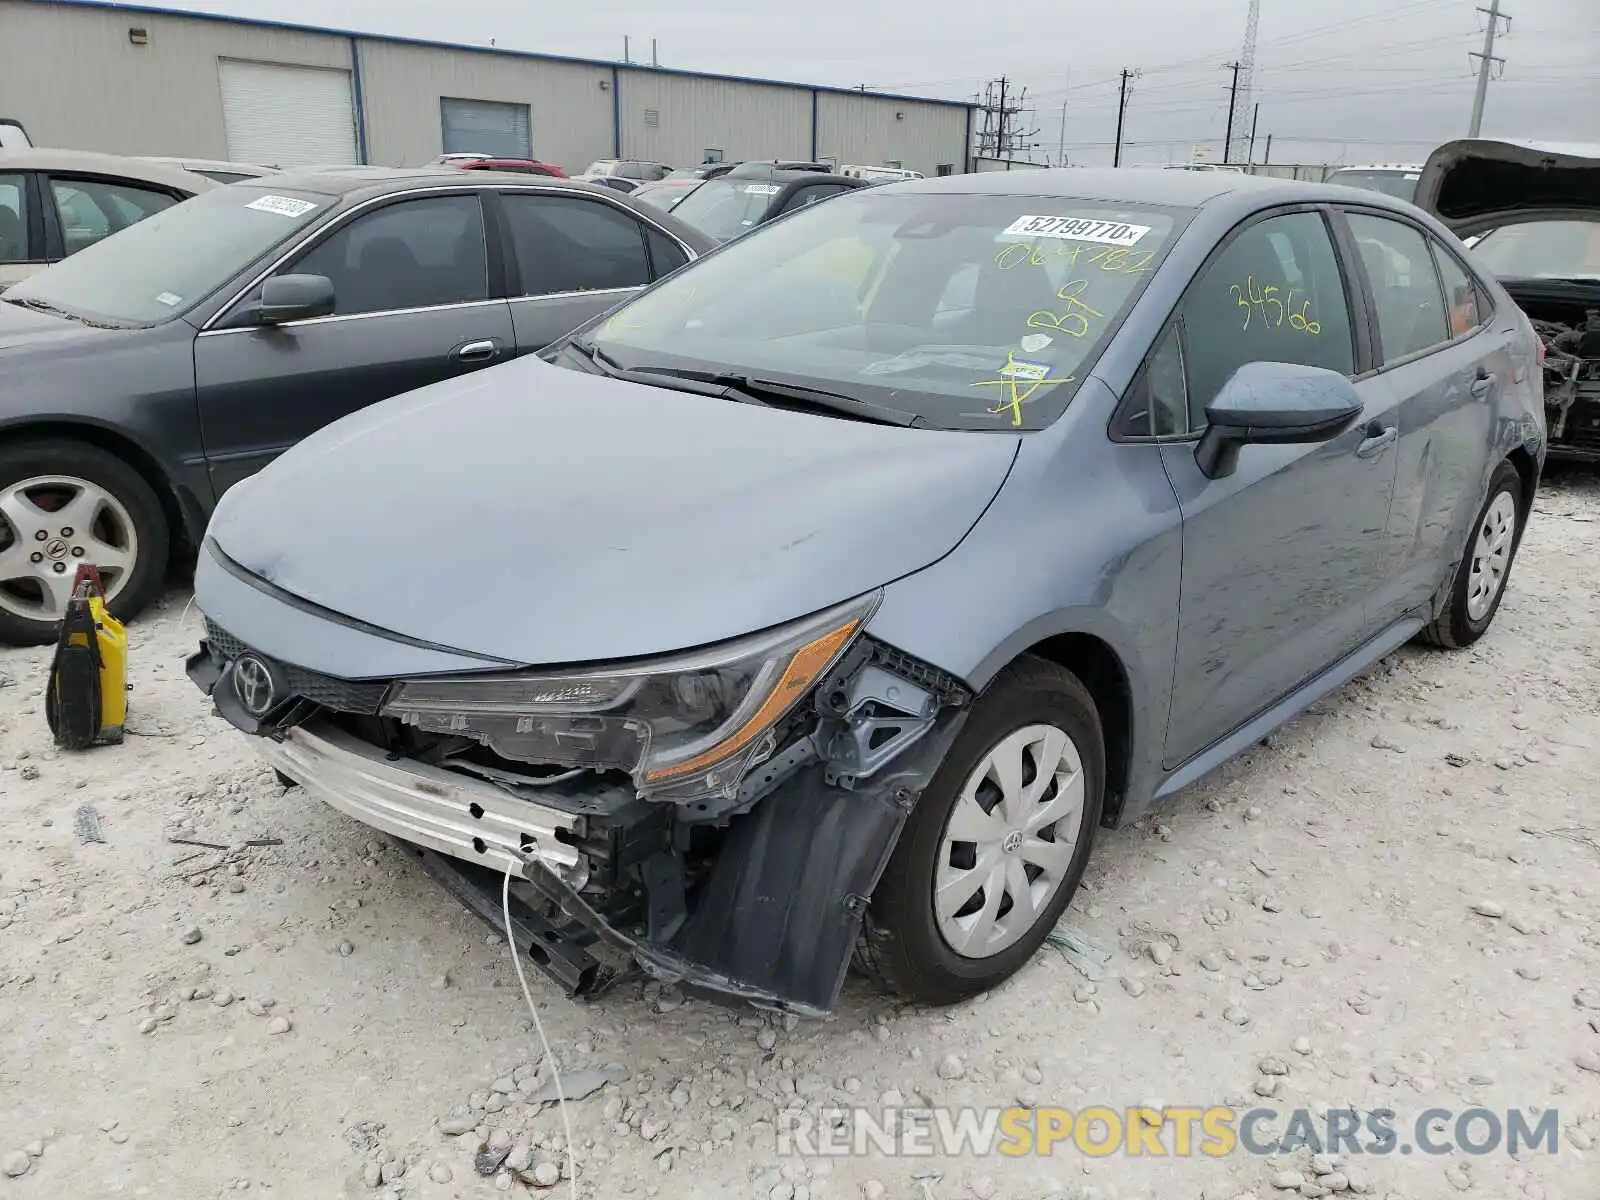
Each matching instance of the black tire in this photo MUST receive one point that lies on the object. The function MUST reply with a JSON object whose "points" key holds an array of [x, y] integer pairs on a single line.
{"points": [[1454, 628], [23, 460], [901, 947]]}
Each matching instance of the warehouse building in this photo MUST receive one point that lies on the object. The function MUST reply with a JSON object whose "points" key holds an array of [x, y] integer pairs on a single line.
{"points": [[128, 79]]}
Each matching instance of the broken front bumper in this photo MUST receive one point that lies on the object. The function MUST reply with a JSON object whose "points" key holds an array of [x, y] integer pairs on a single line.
{"points": [[773, 919]]}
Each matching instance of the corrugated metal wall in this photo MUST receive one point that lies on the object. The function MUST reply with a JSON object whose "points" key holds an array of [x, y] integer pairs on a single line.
{"points": [[75, 80], [72, 76], [676, 118], [569, 111], [872, 131]]}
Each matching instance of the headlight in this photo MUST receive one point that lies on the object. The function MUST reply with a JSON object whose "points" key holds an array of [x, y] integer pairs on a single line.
{"points": [[684, 727]]}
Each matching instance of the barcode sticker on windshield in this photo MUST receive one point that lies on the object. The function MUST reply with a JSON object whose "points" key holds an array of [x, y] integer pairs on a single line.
{"points": [[284, 206], [761, 189], [1077, 229], [169, 299], [1021, 368]]}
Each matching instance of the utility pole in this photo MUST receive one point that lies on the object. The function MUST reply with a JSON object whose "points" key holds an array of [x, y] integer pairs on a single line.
{"points": [[1233, 101], [1061, 142], [1486, 61], [1255, 117], [1122, 110], [1267, 156], [1002, 148]]}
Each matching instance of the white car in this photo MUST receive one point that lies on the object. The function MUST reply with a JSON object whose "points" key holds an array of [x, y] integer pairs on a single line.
{"points": [[53, 203]]}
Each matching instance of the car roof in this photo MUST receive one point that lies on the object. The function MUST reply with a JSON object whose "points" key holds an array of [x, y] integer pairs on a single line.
{"points": [[357, 184], [1123, 185], [120, 166], [757, 174], [208, 164]]}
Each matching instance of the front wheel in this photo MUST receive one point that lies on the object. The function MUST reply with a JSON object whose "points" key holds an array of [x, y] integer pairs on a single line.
{"points": [[1480, 580], [997, 844], [64, 504]]}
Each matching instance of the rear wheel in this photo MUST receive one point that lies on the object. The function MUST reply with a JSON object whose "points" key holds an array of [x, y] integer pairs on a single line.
{"points": [[64, 504], [997, 844], [1480, 580]]}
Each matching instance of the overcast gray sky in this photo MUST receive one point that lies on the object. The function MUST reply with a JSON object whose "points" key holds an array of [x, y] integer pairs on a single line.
{"points": [[1351, 80]]}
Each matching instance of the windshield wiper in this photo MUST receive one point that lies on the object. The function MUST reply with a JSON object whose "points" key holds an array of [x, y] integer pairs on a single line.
{"points": [[43, 306], [801, 396], [697, 383], [769, 393]]}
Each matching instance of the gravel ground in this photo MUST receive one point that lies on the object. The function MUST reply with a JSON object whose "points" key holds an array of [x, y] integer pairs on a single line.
{"points": [[1395, 902]]}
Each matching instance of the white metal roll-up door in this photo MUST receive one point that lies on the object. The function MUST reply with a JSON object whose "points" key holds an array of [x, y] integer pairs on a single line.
{"points": [[485, 127], [282, 116]]}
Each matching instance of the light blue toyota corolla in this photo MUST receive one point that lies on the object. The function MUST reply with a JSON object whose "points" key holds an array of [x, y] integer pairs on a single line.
{"points": [[820, 603]]}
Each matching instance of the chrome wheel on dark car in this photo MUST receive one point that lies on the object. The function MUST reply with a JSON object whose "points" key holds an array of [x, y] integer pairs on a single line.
{"points": [[64, 505]]}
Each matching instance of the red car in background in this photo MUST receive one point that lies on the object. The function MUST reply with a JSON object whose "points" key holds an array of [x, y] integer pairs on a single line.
{"points": [[481, 162]]}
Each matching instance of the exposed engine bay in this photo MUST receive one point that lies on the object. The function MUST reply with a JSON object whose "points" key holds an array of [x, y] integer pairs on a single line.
{"points": [[1570, 332], [752, 891]]}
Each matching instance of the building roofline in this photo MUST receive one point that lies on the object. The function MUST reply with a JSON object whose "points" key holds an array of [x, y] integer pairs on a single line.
{"points": [[570, 60]]}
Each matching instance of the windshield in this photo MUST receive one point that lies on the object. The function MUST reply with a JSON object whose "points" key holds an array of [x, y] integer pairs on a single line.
{"points": [[166, 264], [665, 195], [724, 208], [1542, 250], [1402, 185], [971, 312]]}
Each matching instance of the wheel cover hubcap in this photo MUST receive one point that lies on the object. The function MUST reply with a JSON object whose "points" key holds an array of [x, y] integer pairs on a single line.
{"points": [[50, 525], [1009, 842], [1491, 555]]}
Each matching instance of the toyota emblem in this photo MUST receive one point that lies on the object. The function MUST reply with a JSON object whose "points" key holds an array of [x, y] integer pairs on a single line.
{"points": [[252, 684]]}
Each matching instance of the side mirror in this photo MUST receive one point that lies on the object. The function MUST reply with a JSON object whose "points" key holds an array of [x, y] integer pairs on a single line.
{"points": [[1268, 402], [294, 298]]}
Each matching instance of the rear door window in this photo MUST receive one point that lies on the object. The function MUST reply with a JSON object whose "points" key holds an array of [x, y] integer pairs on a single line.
{"points": [[573, 244], [92, 209], [1462, 297], [13, 218], [414, 254], [1405, 285]]}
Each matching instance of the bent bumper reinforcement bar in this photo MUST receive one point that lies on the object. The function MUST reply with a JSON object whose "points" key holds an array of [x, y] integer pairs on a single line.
{"points": [[425, 805]]}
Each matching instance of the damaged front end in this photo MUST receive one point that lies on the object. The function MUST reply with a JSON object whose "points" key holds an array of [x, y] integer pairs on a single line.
{"points": [[1571, 378], [718, 819]]}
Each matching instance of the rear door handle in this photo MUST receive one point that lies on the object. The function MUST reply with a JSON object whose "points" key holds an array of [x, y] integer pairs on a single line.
{"points": [[476, 352], [1482, 384], [1378, 440]]}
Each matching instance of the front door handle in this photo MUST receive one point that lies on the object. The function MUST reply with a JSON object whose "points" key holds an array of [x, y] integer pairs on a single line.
{"points": [[476, 352], [1378, 440]]}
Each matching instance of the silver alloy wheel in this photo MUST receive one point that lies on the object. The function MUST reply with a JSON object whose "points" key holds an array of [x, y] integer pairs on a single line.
{"points": [[1491, 555], [1009, 841], [55, 524]]}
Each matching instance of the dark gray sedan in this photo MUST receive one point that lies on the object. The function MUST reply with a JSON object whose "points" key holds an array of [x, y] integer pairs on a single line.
{"points": [[144, 376], [835, 591]]}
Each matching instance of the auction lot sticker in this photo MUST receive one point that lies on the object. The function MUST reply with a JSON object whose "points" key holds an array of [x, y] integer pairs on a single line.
{"points": [[284, 206], [1077, 229]]}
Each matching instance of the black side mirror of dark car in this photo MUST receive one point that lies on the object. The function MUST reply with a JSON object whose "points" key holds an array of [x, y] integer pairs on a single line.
{"points": [[1269, 402], [294, 298]]}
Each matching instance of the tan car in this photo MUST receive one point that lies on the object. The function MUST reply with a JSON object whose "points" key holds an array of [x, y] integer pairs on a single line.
{"points": [[53, 203]]}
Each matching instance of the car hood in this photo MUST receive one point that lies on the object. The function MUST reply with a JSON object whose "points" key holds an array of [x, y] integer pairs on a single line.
{"points": [[542, 515], [1477, 184]]}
